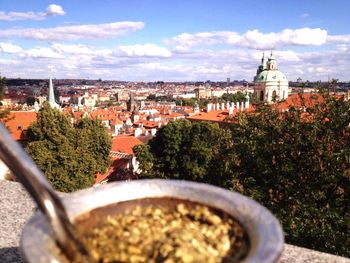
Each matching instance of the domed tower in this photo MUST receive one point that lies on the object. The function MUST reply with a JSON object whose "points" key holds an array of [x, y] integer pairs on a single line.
{"points": [[270, 83]]}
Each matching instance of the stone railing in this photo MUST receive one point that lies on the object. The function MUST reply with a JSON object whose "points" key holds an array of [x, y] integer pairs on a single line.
{"points": [[16, 208]]}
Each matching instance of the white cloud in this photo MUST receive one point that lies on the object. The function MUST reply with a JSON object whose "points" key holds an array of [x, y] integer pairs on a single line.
{"points": [[185, 41], [342, 47], [149, 62], [339, 39], [55, 10], [52, 10], [306, 36], [93, 31], [9, 48], [146, 50], [194, 65], [304, 15], [79, 49], [14, 16], [40, 52], [253, 38]]}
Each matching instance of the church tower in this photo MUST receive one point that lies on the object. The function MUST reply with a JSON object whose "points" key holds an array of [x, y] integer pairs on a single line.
{"points": [[51, 98], [270, 84]]}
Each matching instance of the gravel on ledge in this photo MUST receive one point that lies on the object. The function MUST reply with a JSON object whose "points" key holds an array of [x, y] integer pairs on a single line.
{"points": [[16, 208]]}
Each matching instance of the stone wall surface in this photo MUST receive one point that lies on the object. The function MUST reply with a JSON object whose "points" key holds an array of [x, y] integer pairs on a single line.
{"points": [[16, 208]]}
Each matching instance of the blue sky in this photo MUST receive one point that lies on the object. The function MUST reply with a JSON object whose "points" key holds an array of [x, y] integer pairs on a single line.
{"points": [[178, 40]]}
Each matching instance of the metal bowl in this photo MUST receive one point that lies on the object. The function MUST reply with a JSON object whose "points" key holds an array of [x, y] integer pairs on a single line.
{"points": [[264, 231]]}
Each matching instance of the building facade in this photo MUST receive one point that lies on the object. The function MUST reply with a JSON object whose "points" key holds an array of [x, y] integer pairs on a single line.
{"points": [[270, 84]]}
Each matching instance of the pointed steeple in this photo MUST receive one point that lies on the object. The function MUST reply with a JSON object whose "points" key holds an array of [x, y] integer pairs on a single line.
{"points": [[271, 63], [263, 62], [51, 98]]}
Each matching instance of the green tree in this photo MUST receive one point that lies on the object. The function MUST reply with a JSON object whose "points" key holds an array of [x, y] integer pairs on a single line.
{"points": [[4, 113], [93, 134], [297, 164], [30, 100], [68, 156], [234, 97], [2, 87], [145, 159], [182, 150]]}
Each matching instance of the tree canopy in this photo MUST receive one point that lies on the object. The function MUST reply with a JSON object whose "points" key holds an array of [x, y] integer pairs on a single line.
{"points": [[185, 150], [69, 156], [4, 113], [234, 97], [296, 163], [2, 87]]}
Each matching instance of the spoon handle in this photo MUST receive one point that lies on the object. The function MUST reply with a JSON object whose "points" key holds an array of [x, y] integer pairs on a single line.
{"points": [[32, 178]]}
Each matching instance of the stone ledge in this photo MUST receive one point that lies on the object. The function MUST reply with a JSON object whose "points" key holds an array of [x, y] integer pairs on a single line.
{"points": [[17, 207]]}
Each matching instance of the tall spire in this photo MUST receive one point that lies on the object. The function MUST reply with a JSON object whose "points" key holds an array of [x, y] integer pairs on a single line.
{"points": [[52, 100], [263, 61], [263, 58]]}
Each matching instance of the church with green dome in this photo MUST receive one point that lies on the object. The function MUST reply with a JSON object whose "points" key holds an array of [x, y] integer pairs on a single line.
{"points": [[270, 84]]}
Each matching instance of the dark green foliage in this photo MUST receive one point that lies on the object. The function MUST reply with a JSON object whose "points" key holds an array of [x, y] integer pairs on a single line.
{"points": [[2, 87], [297, 164], [145, 158], [68, 156], [182, 150], [185, 102], [239, 96], [93, 134], [4, 113], [30, 100]]}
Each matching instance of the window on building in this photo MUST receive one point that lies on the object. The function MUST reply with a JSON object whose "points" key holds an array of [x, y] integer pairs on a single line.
{"points": [[261, 95]]}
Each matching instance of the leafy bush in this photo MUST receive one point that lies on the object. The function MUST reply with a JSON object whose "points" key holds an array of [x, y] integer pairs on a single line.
{"points": [[69, 156]]}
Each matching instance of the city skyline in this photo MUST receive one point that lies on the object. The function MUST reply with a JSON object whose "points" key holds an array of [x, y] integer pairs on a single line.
{"points": [[155, 40]]}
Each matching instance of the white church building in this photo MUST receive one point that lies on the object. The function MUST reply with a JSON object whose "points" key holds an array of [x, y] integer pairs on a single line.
{"points": [[270, 84]]}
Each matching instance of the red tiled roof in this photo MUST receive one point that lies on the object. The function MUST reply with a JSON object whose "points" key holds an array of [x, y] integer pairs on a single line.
{"points": [[77, 114], [117, 164], [213, 115], [122, 143], [19, 123], [174, 115], [116, 121], [147, 124], [300, 100], [217, 115]]}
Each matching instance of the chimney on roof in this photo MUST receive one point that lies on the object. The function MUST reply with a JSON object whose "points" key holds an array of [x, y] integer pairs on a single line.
{"points": [[247, 101], [230, 110], [209, 106], [153, 131], [137, 132]]}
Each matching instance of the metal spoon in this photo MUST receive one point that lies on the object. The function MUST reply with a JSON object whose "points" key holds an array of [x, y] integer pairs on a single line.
{"points": [[32, 178]]}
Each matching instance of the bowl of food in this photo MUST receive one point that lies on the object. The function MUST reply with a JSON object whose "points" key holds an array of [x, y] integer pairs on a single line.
{"points": [[160, 221]]}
